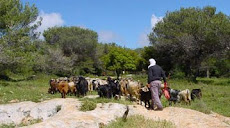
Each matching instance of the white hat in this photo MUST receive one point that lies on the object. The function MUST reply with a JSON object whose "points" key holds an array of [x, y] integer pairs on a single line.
{"points": [[152, 62]]}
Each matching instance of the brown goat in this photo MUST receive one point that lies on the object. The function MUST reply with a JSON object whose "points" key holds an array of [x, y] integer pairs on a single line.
{"points": [[133, 89], [185, 96], [63, 88], [123, 87], [53, 86], [72, 88]]}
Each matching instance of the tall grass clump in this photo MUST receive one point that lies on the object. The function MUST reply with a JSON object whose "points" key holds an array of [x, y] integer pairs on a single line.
{"points": [[88, 106], [199, 105]]}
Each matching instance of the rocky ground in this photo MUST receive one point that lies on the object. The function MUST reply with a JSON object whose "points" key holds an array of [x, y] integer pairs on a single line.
{"points": [[59, 113]]}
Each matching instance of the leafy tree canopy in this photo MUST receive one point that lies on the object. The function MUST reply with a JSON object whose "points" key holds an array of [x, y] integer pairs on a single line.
{"points": [[17, 22], [191, 35], [17, 25], [120, 59], [77, 43]]}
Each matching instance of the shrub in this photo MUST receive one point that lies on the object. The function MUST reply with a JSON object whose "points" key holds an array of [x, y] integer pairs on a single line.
{"points": [[177, 73]]}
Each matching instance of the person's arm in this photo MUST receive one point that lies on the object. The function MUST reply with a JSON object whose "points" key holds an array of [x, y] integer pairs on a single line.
{"points": [[150, 74], [164, 78]]}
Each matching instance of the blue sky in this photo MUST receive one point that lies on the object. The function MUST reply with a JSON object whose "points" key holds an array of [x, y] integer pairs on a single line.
{"points": [[125, 22]]}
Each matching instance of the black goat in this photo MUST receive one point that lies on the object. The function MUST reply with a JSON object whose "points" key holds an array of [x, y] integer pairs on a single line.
{"points": [[196, 93]]}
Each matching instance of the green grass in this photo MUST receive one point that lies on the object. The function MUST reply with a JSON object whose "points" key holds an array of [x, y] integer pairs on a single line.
{"points": [[106, 100], [7, 126], [92, 93], [215, 93], [138, 121], [32, 90], [21, 125], [88, 105]]}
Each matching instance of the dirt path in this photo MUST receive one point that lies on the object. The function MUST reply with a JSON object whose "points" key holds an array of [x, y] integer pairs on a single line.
{"points": [[70, 116]]}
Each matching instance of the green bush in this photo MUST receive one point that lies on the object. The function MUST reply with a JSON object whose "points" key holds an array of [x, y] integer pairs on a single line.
{"points": [[178, 74], [88, 106]]}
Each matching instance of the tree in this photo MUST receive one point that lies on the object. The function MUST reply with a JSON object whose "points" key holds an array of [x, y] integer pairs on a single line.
{"points": [[120, 59], [17, 21], [17, 25], [192, 35], [76, 43], [162, 58]]}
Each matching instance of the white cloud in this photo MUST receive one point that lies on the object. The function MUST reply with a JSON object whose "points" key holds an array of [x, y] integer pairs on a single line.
{"points": [[108, 37], [143, 39], [155, 20], [49, 20]]}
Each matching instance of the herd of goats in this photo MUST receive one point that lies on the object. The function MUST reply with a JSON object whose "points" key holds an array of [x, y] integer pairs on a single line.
{"points": [[112, 88]]}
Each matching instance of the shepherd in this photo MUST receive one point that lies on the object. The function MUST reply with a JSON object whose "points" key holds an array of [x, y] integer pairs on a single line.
{"points": [[155, 74]]}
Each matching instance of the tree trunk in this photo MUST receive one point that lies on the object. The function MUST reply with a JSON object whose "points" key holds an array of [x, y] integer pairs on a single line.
{"points": [[118, 73]]}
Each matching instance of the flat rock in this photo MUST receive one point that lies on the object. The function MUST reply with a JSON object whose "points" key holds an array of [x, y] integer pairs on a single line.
{"points": [[69, 115], [182, 117], [16, 112], [65, 113]]}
